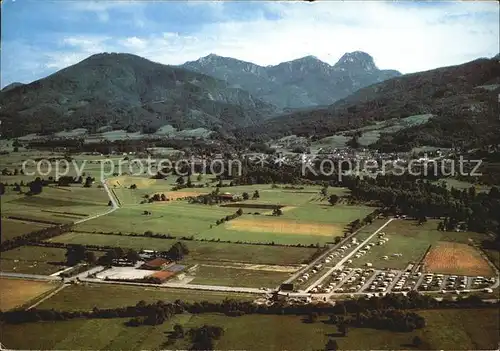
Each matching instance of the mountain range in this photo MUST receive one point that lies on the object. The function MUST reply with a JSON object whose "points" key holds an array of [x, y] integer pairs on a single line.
{"points": [[126, 91], [303, 82], [463, 99]]}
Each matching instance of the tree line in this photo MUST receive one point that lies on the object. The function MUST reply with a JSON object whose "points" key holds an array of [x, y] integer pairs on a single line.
{"points": [[34, 236], [464, 209], [359, 312]]}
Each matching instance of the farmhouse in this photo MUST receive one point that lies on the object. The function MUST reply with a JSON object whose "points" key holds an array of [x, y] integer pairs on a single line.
{"points": [[147, 254], [156, 264]]}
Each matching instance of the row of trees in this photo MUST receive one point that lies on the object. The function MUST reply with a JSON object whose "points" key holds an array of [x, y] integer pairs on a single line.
{"points": [[421, 198], [229, 217], [357, 223], [387, 319], [35, 236], [68, 180], [373, 312]]}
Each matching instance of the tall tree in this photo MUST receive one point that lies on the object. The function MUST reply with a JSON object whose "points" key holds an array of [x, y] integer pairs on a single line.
{"points": [[331, 345], [333, 199], [75, 254]]}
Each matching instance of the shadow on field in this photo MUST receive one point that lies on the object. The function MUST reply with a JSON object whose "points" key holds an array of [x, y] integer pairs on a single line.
{"points": [[334, 335]]}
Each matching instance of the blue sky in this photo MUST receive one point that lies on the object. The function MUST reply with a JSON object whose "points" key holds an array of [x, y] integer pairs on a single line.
{"points": [[41, 37]]}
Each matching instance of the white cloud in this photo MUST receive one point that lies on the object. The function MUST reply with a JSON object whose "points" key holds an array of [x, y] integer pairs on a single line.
{"points": [[102, 8], [408, 38], [405, 36]]}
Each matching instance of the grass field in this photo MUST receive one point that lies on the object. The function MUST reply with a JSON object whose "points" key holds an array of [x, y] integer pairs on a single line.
{"points": [[112, 296], [206, 275], [34, 260], [199, 251], [371, 134], [12, 228], [412, 241], [173, 217], [494, 256], [305, 210], [91, 164], [16, 292], [56, 204], [310, 223], [268, 195], [466, 330]]}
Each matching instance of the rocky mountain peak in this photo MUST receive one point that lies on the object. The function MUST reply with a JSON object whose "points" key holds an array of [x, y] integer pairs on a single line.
{"points": [[356, 60]]}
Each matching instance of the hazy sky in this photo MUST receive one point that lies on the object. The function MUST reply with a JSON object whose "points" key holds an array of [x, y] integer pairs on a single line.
{"points": [[40, 37]]}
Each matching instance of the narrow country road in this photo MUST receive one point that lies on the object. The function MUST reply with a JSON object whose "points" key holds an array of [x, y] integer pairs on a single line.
{"points": [[182, 286], [29, 276], [321, 257], [48, 296], [113, 203], [343, 260]]}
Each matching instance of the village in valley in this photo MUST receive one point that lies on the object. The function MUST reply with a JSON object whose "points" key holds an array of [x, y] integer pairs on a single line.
{"points": [[203, 237], [237, 175]]}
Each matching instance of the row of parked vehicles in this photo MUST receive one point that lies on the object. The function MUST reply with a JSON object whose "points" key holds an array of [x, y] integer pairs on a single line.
{"points": [[382, 281]]}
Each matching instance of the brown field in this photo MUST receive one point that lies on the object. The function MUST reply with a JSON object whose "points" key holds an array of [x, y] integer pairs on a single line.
{"points": [[456, 258], [17, 292], [251, 225]]}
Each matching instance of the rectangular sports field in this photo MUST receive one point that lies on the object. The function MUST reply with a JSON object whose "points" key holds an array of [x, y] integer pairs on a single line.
{"points": [[466, 330], [199, 251]]}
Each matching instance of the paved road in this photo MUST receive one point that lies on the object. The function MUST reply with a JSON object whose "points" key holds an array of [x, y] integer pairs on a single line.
{"points": [[113, 203], [343, 281], [419, 282], [369, 280], [321, 258], [29, 276], [395, 280], [182, 286], [343, 260]]}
